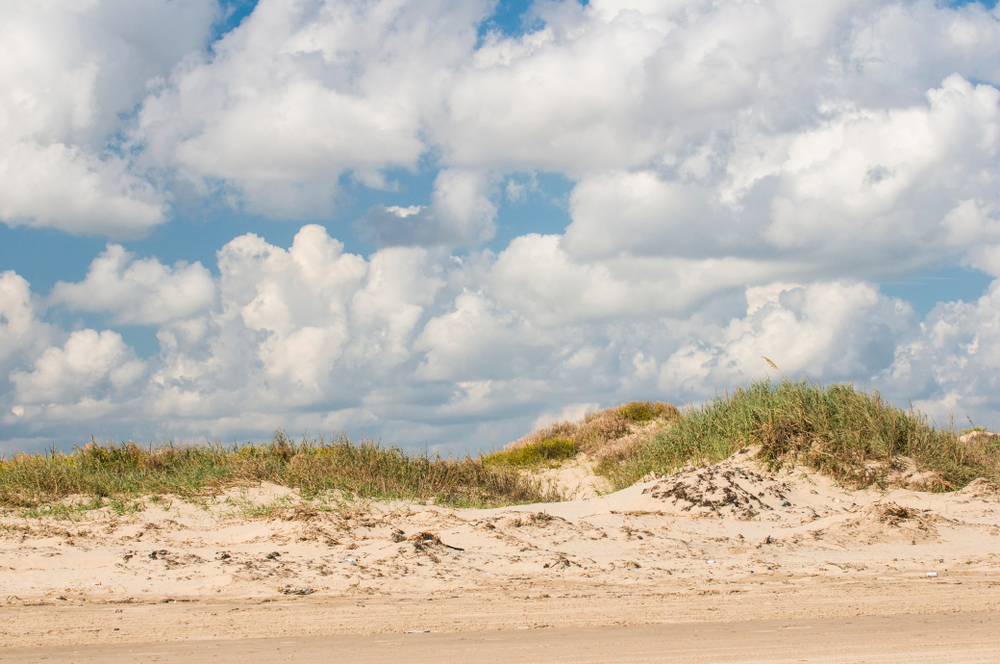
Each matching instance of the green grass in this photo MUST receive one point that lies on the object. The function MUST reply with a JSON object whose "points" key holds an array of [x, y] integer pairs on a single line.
{"points": [[124, 472], [848, 434], [543, 452], [643, 411]]}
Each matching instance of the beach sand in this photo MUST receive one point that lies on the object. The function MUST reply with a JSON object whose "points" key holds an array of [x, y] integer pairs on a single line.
{"points": [[731, 550]]}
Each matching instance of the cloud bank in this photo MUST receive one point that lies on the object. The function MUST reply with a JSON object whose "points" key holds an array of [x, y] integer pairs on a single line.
{"points": [[743, 174]]}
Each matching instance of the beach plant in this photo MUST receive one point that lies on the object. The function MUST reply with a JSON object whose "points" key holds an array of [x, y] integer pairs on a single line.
{"points": [[607, 435], [851, 435], [547, 451], [123, 472]]}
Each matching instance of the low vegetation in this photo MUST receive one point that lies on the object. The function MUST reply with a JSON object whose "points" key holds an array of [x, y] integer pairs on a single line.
{"points": [[854, 436], [546, 451], [606, 437], [366, 471]]}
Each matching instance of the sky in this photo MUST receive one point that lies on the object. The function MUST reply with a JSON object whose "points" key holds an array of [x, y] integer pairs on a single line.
{"points": [[443, 223]]}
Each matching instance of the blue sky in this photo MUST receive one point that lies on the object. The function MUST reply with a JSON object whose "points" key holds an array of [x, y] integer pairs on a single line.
{"points": [[443, 224]]}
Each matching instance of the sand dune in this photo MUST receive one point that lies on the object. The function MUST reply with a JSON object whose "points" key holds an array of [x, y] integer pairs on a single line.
{"points": [[729, 542]]}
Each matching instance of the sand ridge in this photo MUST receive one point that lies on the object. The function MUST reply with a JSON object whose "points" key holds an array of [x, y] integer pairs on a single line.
{"points": [[721, 537]]}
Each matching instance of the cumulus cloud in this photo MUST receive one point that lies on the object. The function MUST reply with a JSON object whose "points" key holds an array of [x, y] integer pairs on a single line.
{"points": [[537, 277], [322, 88], [950, 367], [834, 331], [748, 132], [71, 70], [90, 366], [400, 345], [742, 173], [142, 292], [20, 328]]}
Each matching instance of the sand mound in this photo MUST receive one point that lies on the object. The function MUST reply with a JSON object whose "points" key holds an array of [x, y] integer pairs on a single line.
{"points": [[723, 491], [885, 523], [982, 489], [903, 472]]}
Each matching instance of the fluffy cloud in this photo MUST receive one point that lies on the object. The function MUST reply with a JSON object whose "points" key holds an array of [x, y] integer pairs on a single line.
{"points": [[89, 371], [536, 276], [951, 366], [143, 292], [21, 331], [834, 330], [321, 87], [741, 175], [71, 70], [417, 347]]}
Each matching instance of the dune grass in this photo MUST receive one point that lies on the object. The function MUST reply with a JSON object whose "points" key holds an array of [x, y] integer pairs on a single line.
{"points": [[851, 435], [546, 451], [607, 436], [364, 471]]}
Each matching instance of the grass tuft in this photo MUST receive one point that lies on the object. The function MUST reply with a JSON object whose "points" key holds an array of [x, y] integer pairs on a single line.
{"points": [[546, 450], [853, 436]]}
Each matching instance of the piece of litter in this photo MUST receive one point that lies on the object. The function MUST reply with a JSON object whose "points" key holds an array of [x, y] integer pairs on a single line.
{"points": [[836, 500], [419, 631], [711, 562], [298, 591], [786, 504], [931, 575], [352, 560]]}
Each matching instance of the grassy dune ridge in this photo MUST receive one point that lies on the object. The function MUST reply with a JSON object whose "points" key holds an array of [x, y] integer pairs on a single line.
{"points": [[365, 470], [854, 436]]}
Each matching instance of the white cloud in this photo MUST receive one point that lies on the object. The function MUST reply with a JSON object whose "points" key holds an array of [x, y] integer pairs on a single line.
{"points": [[70, 70], [88, 362], [143, 291], [951, 366], [399, 346], [63, 187], [536, 277], [20, 328], [829, 331], [464, 342], [742, 173], [322, 89]]}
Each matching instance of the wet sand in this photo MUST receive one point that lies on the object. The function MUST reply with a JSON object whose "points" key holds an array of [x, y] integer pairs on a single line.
{"points": [[966, 638]]}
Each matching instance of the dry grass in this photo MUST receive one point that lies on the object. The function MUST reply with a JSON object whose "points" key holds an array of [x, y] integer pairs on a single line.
{"points": [[607, 436], [853, 436], [366, 470]]}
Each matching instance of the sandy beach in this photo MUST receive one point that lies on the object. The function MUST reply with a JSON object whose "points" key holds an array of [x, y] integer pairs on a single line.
{"points": [[753, 557]]}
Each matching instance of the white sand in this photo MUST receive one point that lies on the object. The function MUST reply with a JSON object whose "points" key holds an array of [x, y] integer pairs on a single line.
{"points": [[728, 543]]}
